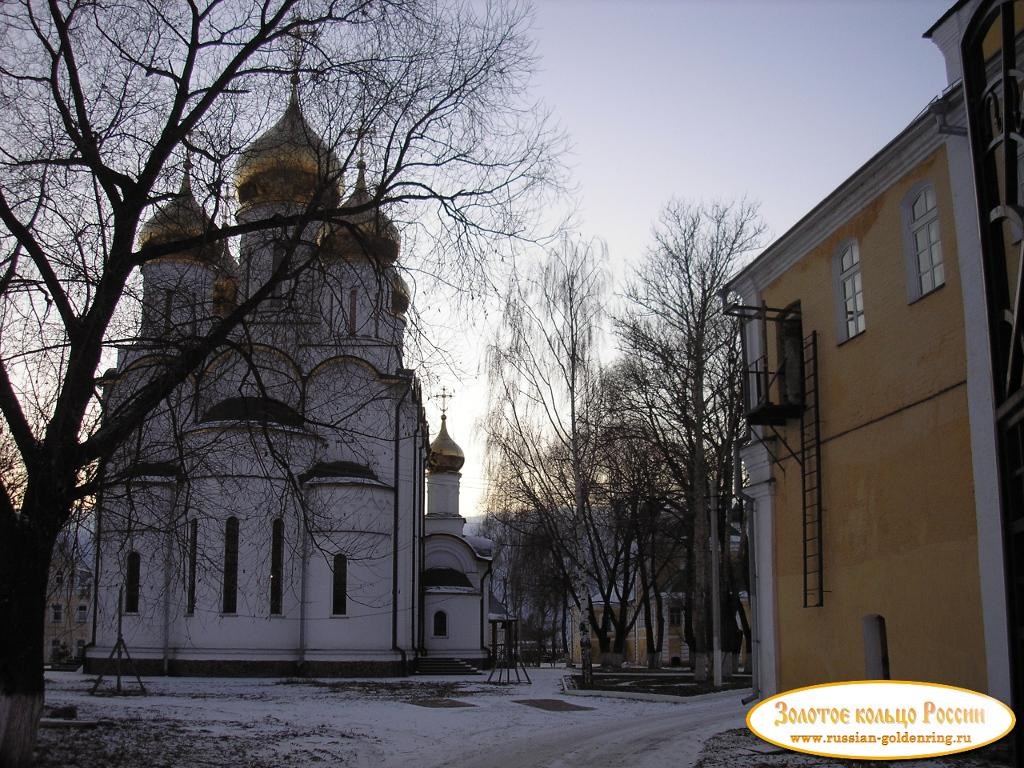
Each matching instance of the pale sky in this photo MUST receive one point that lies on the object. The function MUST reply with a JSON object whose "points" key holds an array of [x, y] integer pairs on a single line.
{"points": [[775, 100]]}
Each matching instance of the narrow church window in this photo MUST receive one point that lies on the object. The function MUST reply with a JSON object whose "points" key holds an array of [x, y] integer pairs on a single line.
{"points": [[440, 624], [131, 583], [193, 543], [230, 597], [339, 603], [352, 298], [278, 259], [276, 565], [168, 309]]}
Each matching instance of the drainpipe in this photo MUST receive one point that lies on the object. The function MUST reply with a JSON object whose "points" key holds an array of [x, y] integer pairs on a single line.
{"points": [[417, 534], [304, 547], [483, 596], [394, 533], [755, 637]]}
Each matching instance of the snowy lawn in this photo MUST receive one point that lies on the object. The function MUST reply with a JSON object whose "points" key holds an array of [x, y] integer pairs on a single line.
{"points": [[416, 722]]}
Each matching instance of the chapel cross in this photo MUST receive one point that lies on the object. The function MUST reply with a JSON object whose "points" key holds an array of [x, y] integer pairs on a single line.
{"points": [[444, 397]]}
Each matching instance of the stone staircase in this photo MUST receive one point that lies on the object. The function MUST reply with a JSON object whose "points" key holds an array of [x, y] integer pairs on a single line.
{"points": [[435, 665]]}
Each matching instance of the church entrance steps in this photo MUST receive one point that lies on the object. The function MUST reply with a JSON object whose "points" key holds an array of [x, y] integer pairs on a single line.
{"points": [[441, 666]]}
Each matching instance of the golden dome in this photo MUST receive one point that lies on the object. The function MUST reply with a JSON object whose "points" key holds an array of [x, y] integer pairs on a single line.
{"points": [[288, 164], [445, 454], [365, 234], [182, 218]]}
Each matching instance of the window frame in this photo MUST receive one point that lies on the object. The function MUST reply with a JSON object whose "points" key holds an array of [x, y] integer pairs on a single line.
{"points": [[56, 613], [229, 582], [910, 227], [190, 584], [277, 567], [443, 615], [339, 585], [132, 582], [839, 278]]}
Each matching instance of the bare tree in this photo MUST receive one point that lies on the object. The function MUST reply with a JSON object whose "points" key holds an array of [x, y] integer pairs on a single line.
{"points": [[685, 373], [545, 401], [100, 107]]}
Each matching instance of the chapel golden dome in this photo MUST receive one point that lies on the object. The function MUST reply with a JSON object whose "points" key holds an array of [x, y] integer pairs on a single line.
{"points": [[445, 454], [366, 233], [288, 164], [183, 218]]}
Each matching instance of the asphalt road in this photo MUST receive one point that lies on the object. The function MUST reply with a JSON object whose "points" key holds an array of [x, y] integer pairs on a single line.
{"points": [[673, 739]]}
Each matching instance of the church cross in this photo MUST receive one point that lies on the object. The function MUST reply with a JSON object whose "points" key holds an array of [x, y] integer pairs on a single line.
{"points": [[444, 397]]}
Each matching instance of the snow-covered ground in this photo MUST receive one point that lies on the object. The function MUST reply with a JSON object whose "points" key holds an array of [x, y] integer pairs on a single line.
{"points": [[421, 722]]}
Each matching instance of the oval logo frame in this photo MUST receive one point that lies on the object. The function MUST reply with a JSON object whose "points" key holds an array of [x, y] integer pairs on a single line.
{"points": [[880, 720]]}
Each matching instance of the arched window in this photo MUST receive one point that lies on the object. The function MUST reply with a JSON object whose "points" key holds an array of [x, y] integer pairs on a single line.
{"points": [[339, 601], [230, 594], [849, 290], [131, 583], [276, 565], [923, 243], [440, 624], [193, 545]]}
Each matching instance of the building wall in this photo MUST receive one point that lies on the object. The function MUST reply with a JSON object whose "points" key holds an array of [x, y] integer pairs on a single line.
{"points": [[899, 530]]}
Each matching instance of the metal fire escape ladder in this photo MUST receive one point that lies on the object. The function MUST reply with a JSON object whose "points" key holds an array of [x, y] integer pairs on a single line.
{"points": [[810, 465]]}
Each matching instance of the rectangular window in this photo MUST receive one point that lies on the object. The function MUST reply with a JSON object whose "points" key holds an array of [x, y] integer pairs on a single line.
{"points": [[230, 595], [851, 291], [131, 583], [193, 543], [81, 614], [276, 566], [339, 602], [926, 243], [56, 613]]}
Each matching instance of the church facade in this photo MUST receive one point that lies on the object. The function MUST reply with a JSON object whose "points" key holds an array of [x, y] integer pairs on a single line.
{"points": [[269, 517]]}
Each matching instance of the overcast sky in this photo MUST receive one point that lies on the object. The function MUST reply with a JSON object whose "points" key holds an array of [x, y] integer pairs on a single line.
{"points": [[775, 100]]}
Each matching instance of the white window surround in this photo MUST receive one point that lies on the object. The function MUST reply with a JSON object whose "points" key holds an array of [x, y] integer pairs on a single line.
{"points": [[848, 290], [922, 243]]}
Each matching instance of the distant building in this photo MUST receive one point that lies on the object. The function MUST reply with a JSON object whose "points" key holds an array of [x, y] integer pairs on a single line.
{"points": [[69, 599], [870, 464]]}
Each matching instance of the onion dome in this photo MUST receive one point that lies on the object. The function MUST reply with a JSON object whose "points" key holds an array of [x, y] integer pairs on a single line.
{"points": [[183, 218], [399, 294], [288, 164], [364, 234], [445, 454]]}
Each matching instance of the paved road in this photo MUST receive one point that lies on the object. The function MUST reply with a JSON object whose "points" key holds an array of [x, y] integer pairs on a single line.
{"points": [[673, 739]]}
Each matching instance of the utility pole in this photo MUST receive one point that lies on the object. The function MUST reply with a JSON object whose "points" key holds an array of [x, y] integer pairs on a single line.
{"points": [[716, 611]]}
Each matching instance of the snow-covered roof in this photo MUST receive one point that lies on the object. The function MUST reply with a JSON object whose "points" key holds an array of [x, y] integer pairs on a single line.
{"points": [[482, 546]]}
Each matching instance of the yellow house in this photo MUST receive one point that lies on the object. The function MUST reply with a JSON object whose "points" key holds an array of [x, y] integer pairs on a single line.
{"points": [[870, 464]]}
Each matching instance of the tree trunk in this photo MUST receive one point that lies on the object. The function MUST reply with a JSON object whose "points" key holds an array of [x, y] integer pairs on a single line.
{"points": [[25, 553], [701, 533]]}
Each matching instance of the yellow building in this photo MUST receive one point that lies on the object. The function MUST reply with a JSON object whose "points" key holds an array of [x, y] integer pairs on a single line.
{"points": [[870, 466]]}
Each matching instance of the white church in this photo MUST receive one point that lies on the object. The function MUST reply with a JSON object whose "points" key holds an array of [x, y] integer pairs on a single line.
{"points": [[284, 512]]}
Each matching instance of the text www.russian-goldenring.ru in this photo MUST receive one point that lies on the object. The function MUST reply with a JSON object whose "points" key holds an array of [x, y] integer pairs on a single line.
{"points": [[904, 737]]}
